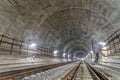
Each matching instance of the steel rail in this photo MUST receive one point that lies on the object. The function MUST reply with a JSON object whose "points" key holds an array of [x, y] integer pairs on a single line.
{"points": [[13, 75], [71, 74], [96, 74]]}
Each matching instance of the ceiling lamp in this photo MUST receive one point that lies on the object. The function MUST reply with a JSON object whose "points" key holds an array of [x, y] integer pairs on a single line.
{"points": [[102, 43], [68, 56], [64, 54], [55, 52]]}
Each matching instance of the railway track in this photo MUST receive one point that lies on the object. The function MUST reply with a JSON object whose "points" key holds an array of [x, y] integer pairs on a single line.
{"points": [[13, 75], [84, 71], [96, 74], [71, 75]]}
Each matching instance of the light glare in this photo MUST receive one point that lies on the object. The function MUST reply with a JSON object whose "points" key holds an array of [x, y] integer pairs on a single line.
{"points": [[82, 59], [55, 52], [64, 54], [32, 45], [91, 51], [102, 43], [68, 56]]}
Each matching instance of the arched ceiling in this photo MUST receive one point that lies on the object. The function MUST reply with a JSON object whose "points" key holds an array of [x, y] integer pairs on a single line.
{"points": [[66, 25]]}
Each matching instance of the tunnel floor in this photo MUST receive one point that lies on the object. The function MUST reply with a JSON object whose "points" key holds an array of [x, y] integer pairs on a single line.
{"points": [[59, 39], [80, 70]]}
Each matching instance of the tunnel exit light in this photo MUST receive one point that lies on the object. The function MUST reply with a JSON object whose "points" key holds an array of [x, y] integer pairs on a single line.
{"points": [[91, 51], [82, 59], [32, 45]]}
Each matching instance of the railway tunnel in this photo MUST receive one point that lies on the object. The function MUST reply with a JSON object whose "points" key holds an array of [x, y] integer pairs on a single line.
{"points": [[59, 39]]}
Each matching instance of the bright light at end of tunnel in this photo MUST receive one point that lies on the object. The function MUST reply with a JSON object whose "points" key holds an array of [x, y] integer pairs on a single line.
{"points": [[82, 59], [32, 45], [91, 51]]}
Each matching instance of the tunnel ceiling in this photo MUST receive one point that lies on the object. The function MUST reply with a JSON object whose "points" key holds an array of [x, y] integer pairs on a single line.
{"points": [[66, 25]]}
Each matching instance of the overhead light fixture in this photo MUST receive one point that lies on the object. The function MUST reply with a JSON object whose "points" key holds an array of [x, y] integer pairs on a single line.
{"points": [[64, 54], [102, 43], [55, 52], [68, 56]]}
